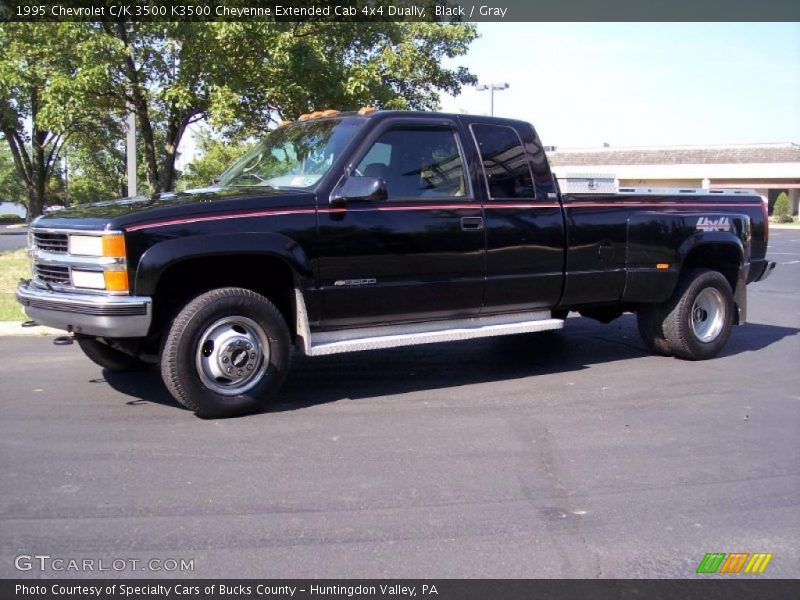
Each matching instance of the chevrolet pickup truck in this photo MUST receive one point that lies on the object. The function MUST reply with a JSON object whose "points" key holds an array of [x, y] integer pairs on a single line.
{"points": [[358, 231]]}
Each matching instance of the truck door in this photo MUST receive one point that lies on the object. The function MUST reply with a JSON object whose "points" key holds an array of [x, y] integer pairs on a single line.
{"points": [[524, 221], [420, 253]]}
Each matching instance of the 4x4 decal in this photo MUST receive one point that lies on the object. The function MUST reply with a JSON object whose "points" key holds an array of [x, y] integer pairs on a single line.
{"points": [[721, 224]]}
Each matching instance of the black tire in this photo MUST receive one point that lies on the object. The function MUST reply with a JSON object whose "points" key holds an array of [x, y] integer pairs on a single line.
{"points": [[218, 326], [691, 311], [111, 358], [651, 328]]}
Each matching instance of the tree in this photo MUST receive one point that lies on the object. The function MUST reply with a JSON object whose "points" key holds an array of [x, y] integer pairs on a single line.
{"points": [[41, 106], [27, 66], [243, 77], [215, 156], [11, 187], [782, 211], [96, 168]]}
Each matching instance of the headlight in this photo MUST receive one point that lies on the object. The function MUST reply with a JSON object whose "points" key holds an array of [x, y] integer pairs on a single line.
{"points": [[86, 245], [110, 246]]}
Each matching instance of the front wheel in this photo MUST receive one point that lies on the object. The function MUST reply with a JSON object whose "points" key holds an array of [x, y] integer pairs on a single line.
{"points": [[698, 319], [227, 353]]}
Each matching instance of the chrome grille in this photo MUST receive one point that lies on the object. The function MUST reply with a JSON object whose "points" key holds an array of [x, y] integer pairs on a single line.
{"points": [[51, 242], [52, 274]]}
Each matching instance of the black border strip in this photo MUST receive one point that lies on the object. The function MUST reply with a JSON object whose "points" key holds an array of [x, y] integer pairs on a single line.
{"points": [[400, 10]]}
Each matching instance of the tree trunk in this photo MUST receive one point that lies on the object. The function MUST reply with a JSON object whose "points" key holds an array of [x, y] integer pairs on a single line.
{"points": [[38, 183], [175, 131], [146, 129], [142, 115]]}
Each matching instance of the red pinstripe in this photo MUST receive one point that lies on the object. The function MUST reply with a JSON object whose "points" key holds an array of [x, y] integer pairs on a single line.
{"points": [[493, 205], [651, 204]]}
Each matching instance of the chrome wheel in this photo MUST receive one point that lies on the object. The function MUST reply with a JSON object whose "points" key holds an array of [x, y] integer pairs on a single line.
{"points": [[232, 355], [708, 315]]}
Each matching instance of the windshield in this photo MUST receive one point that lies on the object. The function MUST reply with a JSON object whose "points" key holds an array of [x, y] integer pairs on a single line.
{"points": [[296, 156]]}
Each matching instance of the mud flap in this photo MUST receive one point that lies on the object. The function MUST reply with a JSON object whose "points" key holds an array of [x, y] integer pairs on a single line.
{"points": [[740, 296]]}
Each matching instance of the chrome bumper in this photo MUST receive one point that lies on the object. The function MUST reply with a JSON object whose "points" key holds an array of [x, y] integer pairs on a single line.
{"points": [[104, 316]]}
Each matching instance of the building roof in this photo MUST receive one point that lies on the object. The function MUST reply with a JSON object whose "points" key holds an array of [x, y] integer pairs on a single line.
{"points": [[679, 155]]}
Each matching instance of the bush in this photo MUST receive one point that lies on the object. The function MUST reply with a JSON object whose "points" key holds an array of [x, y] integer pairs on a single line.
{"points": [[9, 219], [782, 211]]}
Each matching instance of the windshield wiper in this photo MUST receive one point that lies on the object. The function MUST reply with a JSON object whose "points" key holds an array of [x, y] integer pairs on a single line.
{"points": [[261, 181]]}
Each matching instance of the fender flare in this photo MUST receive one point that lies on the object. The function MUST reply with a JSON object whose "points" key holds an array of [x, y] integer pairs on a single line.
{"points": [[728, 239], [716, 238], [160, 257]]}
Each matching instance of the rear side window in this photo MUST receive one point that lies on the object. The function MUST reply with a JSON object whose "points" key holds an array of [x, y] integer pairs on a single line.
{"points": [[416, 163], [508, 174]]}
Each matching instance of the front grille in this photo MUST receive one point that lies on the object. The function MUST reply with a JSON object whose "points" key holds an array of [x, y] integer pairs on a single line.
{"points": [[54, 275], [51, 242]]}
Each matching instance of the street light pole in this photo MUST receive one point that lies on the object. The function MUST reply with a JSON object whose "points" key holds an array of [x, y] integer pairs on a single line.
{"points": [[492, 87], [130, 151], [130, 142]]}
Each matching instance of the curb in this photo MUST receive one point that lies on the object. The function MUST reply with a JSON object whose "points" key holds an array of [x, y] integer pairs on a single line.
{"points": [[15, 329], [794, 226], [16, 229]]}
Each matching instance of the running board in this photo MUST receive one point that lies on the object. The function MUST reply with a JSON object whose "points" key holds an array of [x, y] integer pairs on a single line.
{"points": [[393, 336]]}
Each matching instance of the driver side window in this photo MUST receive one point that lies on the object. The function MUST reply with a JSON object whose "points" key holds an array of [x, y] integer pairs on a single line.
{"points": [[416, 163]]}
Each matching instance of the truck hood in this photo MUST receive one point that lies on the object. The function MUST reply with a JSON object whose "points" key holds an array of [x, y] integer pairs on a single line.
{"points": [[124, 212]]}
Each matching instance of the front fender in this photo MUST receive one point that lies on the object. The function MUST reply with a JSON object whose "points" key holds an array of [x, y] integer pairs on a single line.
{"points": [[158, 258]]}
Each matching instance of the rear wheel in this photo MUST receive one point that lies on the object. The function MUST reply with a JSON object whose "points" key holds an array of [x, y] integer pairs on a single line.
{"points": [[700, 319], [651, 328], [110, 358], [227, 353], [696, 322]]}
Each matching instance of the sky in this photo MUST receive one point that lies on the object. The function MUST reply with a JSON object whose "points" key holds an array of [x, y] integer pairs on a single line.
{"points": [[635, 84], [640, 84]]}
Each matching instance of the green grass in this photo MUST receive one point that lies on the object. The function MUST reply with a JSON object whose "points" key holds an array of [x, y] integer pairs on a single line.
{"points": [[13, 266]]}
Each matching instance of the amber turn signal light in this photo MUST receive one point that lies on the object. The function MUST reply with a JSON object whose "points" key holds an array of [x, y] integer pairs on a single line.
{"points": [[114, 246], [116, 281]]}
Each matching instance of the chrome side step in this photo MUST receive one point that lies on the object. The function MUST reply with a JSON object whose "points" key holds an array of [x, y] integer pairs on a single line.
{"points": [[393, 336]]}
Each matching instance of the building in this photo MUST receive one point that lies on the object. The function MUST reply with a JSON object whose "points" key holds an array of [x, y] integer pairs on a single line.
{"points": [[767, 168]]}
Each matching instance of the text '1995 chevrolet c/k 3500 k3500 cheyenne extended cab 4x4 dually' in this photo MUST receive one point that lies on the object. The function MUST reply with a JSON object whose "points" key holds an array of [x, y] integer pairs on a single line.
{"points": [[359, 231]]}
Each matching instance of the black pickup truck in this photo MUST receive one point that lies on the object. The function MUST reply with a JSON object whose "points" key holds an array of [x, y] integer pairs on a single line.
{"points": [[358, 231]]}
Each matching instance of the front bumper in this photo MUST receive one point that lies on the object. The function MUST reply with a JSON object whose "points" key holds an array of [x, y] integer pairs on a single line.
{"points": [[89, 314]]}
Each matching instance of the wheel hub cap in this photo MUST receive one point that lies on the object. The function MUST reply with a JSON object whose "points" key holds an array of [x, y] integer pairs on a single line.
{"points": [[232, 355], [708, 315]]}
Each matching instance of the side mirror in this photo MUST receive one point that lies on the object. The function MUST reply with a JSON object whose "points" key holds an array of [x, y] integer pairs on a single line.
{"points": [[359, 189]]}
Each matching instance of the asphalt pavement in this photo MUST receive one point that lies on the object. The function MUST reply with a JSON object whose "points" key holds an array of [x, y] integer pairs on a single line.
{"points": [[13, 238], [572, 454]]}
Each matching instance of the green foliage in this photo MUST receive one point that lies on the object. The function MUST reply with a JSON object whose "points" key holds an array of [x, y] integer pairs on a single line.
{"points": [[243, 77], [11, 187], [96, 166], [70, 85], [9, 219], [782, 210], [42, 104], [215, 155]]}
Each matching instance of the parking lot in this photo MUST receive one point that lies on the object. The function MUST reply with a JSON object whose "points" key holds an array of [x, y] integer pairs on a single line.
{"points": [[574, 454]]}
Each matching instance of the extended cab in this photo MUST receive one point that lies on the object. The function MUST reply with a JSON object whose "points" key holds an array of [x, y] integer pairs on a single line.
{"points": [[359, 231]]}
